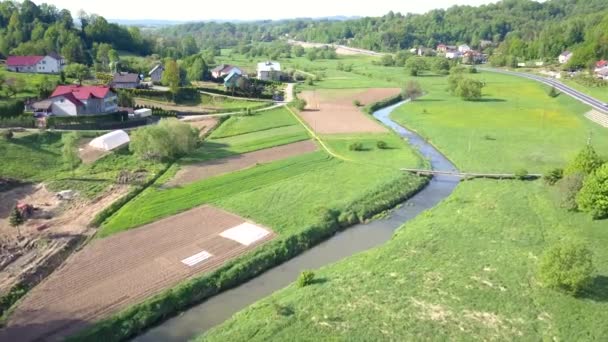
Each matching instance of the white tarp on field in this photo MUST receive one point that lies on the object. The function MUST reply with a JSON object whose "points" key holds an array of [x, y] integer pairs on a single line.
{"points": [[245, 234], [197, 258], [110, 141]]}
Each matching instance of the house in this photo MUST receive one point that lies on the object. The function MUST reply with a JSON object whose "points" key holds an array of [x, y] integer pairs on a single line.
{"points": [[442, 48], [485, 43], [156, 74], [602, 73], [464, 48], [269, 71], [565, 57], [78, 100], [125, 80], [49, 64], [223, 70], [473, 57], [601, 64], [452, 54], [231, 80]]}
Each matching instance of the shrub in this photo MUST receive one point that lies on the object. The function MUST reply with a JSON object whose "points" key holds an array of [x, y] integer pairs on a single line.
{"points": [[6, 134], [585, 162], [553, 176], [568, 188], [356, 146], [553, 92], [10, 109], [306, 278], [382, 145], [567, 267], [167, 140], [300, 104], [521, 174], [310, 81], [357, 103], [593, 196], [412, 90]]}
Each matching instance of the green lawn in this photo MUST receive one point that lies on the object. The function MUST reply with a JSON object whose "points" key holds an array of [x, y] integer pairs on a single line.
{"points": [[237, 125], [465, 270], [517, 125], [31, 157], [32, 81]]}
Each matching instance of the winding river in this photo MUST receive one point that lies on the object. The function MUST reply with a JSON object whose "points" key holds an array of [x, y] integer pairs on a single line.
{"points": [[358, 238]]}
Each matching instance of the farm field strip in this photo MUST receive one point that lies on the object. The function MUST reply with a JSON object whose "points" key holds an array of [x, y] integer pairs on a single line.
{"points": [[334, 111], [126, 268]]}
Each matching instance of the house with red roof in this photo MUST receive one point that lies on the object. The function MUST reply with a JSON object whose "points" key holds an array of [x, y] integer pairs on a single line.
{"points": [[79, 100], [49, 64], [223, 70]]}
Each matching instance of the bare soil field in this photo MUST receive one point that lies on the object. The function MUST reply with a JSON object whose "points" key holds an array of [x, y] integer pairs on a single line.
{"points": [[89, 154], [54, 225], [112, 273], [204, 125], [195, 172], [333, 111]]}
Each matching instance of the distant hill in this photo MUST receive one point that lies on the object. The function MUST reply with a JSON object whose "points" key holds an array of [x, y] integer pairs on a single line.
{"points": [[163, 23]]}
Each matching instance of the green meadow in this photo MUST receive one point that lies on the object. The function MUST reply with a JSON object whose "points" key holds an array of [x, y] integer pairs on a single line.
{"points": [[465, 270]]}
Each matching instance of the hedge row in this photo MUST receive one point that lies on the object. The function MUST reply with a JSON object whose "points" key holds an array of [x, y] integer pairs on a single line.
{"points": [[120, 116], [383, 103], [157, 111], [25, 121], [182, 94], [228, 93], [136, 319], [11, 109]]}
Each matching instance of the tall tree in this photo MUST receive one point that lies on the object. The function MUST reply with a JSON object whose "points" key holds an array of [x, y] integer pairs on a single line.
{"points": [[171, 76]]}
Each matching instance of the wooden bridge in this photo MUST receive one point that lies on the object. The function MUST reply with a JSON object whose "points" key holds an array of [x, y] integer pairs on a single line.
{"points": [[467, 175]]}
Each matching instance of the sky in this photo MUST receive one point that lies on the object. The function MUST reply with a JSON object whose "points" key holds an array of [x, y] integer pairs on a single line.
{"points": [[192, 10]]}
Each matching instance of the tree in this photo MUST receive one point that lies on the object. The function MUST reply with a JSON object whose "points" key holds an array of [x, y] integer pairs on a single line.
{"points": [[77, 71], [197, 71], [412, 90], [469, 89], [171, 76], [125, 99], [16, 219], [298, 51], [585, 162], [300, 104], [169, 139], [567, 266], [14, 86], [69, 150], [593, 196], [415, 66], [387, 60]]}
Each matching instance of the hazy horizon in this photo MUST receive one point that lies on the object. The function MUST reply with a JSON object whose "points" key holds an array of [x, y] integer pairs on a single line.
{"points": [[240, 10]]}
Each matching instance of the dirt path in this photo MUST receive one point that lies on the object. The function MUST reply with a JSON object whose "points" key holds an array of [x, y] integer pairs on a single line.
{"points": [[192, 173], [334, 111], [124, 269], [204, 124]]}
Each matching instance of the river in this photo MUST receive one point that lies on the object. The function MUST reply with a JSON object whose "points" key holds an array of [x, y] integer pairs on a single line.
{"points": [[358, 238]]}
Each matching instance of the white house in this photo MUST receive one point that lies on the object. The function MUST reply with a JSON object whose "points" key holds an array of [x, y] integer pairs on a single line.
{"points": [[452, 55], [269, 71], [49, 64], [224, 70], [565, 57], [72, 100], [464, 48], [156, 74]]}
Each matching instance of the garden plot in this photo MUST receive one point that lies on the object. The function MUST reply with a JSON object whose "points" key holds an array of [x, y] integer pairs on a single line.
{"points": [[113, 273], [334, 111], [195, 172]]}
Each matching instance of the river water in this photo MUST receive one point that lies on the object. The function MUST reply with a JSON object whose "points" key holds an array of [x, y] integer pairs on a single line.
{"points": [[358, 238]]}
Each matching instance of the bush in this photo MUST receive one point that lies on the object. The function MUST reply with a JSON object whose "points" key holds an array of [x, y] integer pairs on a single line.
{"points": [[356, 146], [567, 267], [6, 134], [10, 109], [553, 92], [306, 278], [585, 162], [593, 196], [300, 104], [412, 90], [521, 174], [382, 145], [357, 103], [167, 140], [568, 188], [553, 176]]}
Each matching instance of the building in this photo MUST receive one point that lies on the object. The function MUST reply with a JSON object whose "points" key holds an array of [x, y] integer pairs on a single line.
{"points": [[464, 48], [442, 48], [223, 70], [111, 141], [49, 64], [125, 80], [485, 43], [565, 57], [231, 80], [452, 54], [269, 71], [156, 74], [78, 100], [473, 57], [601, 64]]}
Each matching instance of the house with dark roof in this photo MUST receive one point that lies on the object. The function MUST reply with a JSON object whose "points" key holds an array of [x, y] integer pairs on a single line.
{"points": [[231, 80], [125, 80], [224, 70], [565, 57], [156, 74], [49, 64], [78, 100]]}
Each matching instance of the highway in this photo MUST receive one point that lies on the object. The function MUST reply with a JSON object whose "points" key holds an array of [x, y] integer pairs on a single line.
{"points": [[586, 99]]}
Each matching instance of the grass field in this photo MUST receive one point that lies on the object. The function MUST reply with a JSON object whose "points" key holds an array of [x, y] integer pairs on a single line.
{"points": [[516, 125], [31, 81], [465, 270], [600, 93], [237, 125], [31, 157]]}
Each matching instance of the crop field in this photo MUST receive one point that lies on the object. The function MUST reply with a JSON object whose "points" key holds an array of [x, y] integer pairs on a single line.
{"points": [[109, 274], [331, 112], [463, 270], [515, 126], [194, 172]]}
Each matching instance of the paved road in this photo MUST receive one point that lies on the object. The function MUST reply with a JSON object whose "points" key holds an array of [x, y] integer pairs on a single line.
{"points": [[584, 98]]}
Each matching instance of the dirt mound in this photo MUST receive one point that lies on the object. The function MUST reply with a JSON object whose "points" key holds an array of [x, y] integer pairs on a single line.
{"points": [[334, 111]]}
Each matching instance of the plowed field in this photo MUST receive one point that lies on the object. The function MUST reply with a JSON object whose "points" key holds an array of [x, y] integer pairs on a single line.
{"points": [[112, 273]]}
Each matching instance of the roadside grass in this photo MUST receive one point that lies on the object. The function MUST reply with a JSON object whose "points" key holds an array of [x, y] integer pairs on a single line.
{"points": [[516, 125], [600, 93], [237, 125], [465, 270], [270, 194]]}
